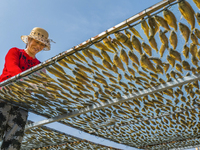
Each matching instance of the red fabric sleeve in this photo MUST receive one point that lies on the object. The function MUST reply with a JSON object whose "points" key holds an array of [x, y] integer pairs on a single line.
{"points": [[12, 61]]}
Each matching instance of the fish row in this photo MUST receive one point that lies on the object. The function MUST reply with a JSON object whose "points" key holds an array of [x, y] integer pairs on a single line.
{"points": [[46, 138]]}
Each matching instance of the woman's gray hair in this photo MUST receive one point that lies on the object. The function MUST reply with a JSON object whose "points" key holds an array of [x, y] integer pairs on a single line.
{"points": [[29, 39]]}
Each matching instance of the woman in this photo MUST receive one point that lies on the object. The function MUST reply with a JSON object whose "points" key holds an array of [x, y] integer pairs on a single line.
{"points": [[12, 118]]}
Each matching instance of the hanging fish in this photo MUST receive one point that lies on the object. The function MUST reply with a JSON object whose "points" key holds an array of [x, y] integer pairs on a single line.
{"points": [[175, 54], [133, 57], [153, 75], [145, 27], [86, 53], [186, 65], [81, 57], [106, 56], [94, 52], [136, 44], [109, 45], [100, 80], [194, 60], [93, 67], [186, 51], [194, 70], [197, 2], [197, 32], [124, 56], [162, 22], [198, 54], [143, 74], [153, 43], [188, 13], [114, 68], [96, 85], [116, 43], [171, 60], [194, 39], [154, 27], [123, 84], [159, 69], [119, 77], [185, 31], [84, 68], [56, 73], [193, 49], [146, 48], [106, 64], [173, 39], [135, 66], [80, 71], [170, 18], [146, 63], [131, 71], [156, 60], [135, 32], [73, 57], [163, 38], [108, 74], [124, 39], [165, 66], [62, 63], [128, 77], [118, 62], [59, 68], [113, 80], [128, 34], [101, 46], [80, 76], [197, 15], [99, 75], [162, 50], [179, 67], [115, 86]]}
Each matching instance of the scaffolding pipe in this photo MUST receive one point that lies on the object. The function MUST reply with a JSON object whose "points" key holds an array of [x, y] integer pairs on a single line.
{"points": [[92, 40]]}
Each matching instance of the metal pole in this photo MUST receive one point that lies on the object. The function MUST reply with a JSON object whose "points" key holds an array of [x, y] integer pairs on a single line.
{"points": [[92, 40], [94, 107]]}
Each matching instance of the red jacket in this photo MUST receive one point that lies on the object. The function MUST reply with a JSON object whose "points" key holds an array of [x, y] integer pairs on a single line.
{"points": [[17, 61]]}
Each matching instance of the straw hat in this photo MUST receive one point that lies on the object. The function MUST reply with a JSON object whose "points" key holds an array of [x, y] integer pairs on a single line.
{"points": [[38, 34]]}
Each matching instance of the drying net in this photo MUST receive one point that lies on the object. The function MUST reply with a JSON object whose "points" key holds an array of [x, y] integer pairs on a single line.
{"points": [[138, 86]]}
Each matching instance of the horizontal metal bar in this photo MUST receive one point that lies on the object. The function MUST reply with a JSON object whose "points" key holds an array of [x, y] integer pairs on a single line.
{"points": [[94, 107], [92, 40]]}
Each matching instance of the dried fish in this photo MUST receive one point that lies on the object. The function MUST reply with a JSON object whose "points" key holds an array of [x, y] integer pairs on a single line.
{"points": [[124, 56], [185, 31], [109, 44], [173, 39], [124, 39], [136, 44], [135, 32], [145, 27], [170, 18], [153, 43], [118, 62], [101, 46], [188, 13], [162, 22], [146, 63]]}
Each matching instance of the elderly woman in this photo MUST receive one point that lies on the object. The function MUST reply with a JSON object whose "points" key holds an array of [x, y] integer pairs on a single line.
{"points": [[12, 118]]}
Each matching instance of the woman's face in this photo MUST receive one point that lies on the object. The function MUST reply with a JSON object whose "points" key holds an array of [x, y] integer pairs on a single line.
{"points": [[34, 47]]}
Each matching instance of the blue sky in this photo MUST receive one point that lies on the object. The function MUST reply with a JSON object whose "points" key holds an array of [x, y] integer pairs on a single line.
{"points": [[69, 23]]}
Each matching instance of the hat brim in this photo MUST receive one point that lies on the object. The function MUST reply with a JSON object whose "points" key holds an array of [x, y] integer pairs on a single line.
{"points": [[24, 38]]}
